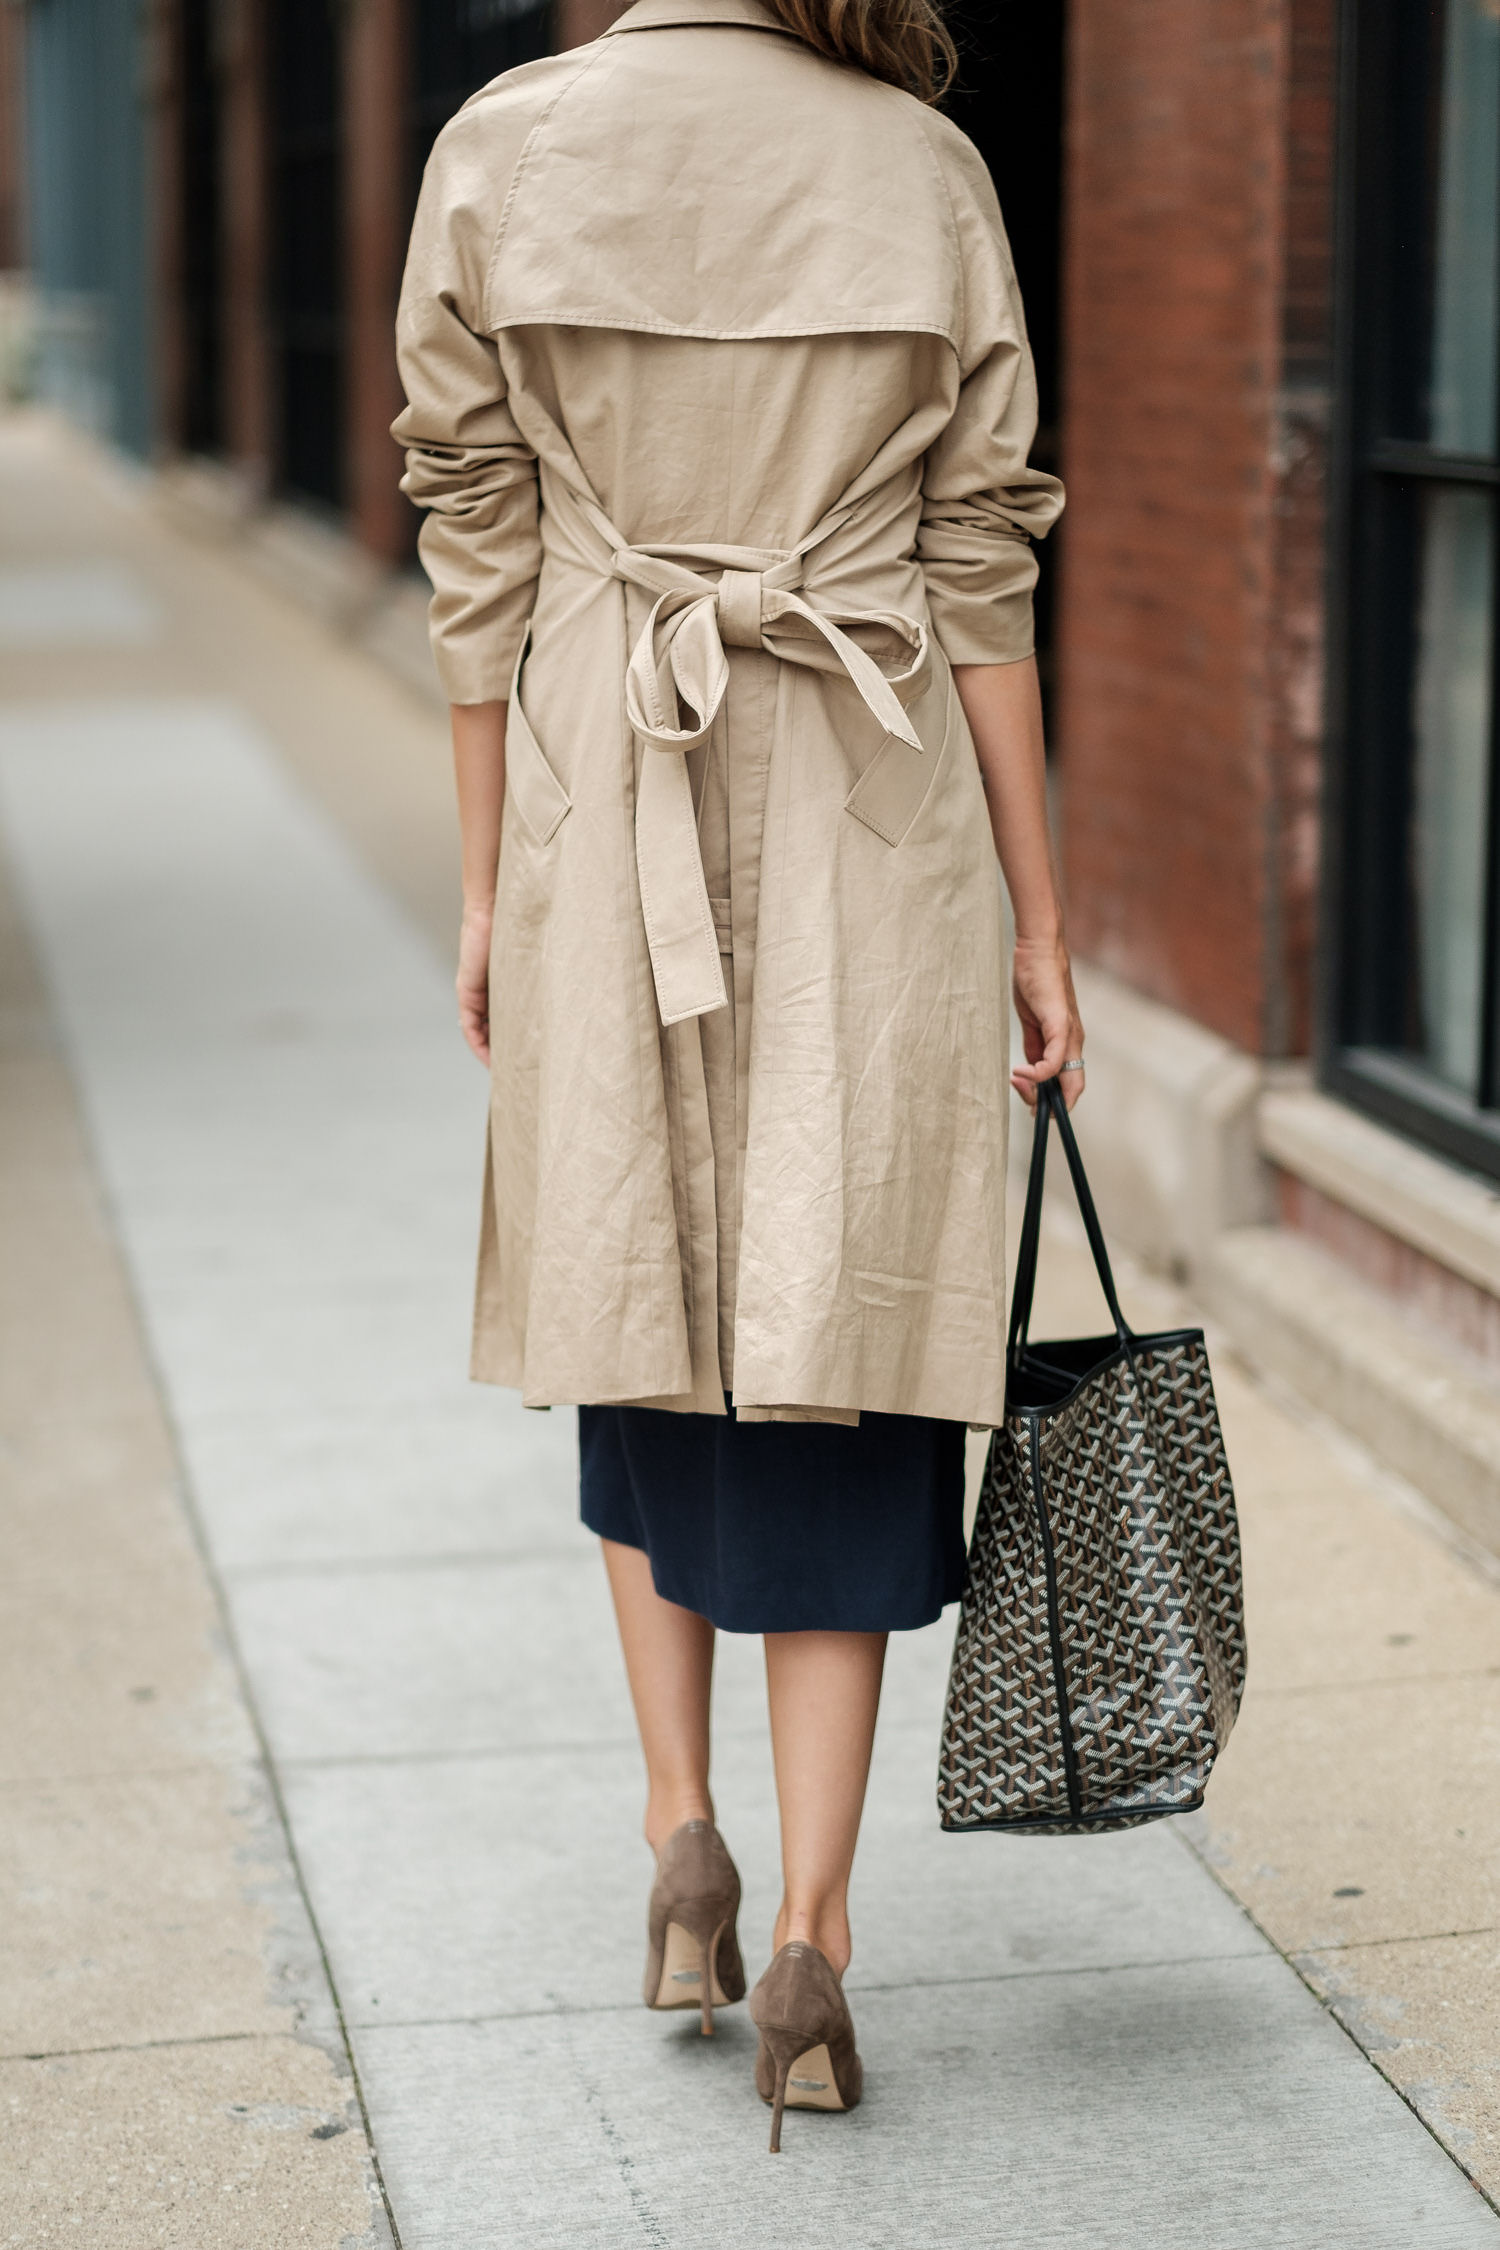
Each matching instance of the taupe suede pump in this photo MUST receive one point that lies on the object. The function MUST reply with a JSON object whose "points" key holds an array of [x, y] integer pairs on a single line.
{"points": [[807, 2057], [693, 1954]]}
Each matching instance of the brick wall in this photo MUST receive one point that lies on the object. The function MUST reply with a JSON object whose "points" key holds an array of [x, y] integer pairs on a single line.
{"points": [[1196, 325]]}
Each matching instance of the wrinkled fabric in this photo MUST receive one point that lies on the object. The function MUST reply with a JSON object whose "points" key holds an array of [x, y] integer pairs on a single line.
{"points": [[720, 405]]}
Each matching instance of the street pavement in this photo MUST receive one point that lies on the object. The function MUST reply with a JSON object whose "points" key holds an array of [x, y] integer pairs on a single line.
{"points": [[1068, 2043]]}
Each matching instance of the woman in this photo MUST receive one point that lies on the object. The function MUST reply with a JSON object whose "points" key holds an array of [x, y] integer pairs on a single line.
{"points": [[720, 405]]}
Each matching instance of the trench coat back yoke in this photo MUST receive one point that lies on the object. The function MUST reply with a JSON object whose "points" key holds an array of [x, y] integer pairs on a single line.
{"points": [[748, 1008]]}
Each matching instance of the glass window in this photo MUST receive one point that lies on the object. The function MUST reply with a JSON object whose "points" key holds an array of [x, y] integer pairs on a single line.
{"points": [[1450, 807], [1414, 1001], [1462, 397]]}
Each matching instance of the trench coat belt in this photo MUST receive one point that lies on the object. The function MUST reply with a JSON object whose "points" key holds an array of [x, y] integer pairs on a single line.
{"points": [[753, 600]]}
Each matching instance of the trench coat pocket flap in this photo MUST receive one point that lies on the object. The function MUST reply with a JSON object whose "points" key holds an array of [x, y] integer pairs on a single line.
{"points": [[531, 785], [891, 791]]}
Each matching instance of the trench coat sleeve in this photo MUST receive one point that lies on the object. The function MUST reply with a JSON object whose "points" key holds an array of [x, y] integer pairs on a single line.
{"points": [[982, 503], [467, 463], [981, 509]]}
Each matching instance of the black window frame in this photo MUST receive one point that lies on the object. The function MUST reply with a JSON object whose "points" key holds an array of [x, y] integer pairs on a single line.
{"points": [[1376, 481]]}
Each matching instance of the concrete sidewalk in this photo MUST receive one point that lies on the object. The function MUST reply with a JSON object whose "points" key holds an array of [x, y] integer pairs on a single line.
{"points": [[228, 839]]}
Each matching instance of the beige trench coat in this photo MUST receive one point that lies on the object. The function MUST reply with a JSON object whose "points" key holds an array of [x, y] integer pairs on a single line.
{"points": [[720, 405]]}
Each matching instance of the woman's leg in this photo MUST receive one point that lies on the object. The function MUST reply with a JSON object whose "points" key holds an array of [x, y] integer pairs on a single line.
{"points": [[669, 1657], [824, 1691]]}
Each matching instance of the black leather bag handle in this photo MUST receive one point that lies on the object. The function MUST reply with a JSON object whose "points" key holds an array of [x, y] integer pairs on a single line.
{"points": [[1051, 1107]]}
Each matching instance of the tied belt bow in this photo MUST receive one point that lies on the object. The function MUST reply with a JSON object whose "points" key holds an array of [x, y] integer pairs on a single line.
{"points": [[753, 601]]}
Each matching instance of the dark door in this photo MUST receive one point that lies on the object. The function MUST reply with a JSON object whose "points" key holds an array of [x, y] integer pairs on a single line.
{"points": [[307, 247], [1009, 100], [202, 425], [460, 46]]}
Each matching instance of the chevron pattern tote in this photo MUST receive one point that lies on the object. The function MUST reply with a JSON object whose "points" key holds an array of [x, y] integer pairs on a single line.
{"points": [[1100, 1656]]}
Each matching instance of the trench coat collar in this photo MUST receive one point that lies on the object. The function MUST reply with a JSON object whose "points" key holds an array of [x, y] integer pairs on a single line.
{"points": [[656, 15]]}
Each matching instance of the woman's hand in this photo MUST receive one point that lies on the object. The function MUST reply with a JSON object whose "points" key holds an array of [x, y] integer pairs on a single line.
{"points": [[1003, 705], [479, 770], [1048, 1009], [473, 980]]}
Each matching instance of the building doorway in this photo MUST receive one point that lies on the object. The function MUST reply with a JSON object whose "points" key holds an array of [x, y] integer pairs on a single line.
{"points": [[304, 81], [460, 45], [200, 406], [1010, 101]]}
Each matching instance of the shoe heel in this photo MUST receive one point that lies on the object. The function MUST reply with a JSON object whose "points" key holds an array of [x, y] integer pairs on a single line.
{"points": [[710, 1953], [690, 1940], [783, 2047]]}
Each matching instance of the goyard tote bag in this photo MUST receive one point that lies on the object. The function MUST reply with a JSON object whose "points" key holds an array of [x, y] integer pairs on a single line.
{"points": [[1100, 1657]]}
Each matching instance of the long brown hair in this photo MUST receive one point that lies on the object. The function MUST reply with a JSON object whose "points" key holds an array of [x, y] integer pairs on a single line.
{"points": [[905, 42]]}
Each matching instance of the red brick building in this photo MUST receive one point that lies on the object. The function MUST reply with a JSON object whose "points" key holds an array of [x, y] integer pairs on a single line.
{"points": [[1199, 336], [1259, 242], [1276, 717]]}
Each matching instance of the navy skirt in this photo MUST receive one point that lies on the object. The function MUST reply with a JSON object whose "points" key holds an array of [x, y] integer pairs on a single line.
{"points": [[783, 1527]]}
